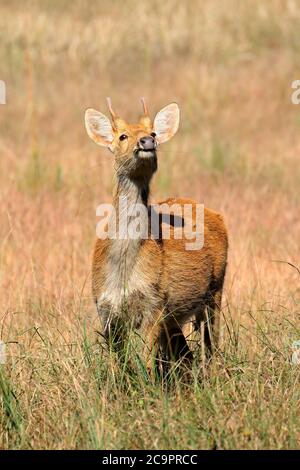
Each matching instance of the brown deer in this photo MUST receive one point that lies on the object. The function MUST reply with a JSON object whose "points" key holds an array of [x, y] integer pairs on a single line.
{"points": [[154, 283]]}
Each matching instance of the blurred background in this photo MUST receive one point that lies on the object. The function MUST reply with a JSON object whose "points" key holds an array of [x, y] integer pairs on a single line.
{"points": [[229, 65]]}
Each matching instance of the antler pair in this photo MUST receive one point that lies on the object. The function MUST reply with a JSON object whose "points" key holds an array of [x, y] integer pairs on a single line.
{"points": [[114, 115]]}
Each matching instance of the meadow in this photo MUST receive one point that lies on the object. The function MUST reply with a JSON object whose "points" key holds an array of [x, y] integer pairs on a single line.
{"points": [[230, 66]]}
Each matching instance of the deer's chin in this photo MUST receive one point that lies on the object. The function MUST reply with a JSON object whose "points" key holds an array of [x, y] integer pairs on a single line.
{"points": [[145, 153]]}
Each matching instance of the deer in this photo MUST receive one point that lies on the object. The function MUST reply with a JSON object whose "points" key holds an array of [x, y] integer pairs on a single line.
{"points": [[154, 284]]}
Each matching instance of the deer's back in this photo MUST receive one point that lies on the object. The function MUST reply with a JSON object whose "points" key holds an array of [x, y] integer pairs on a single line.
{"points": [[191, 275]]}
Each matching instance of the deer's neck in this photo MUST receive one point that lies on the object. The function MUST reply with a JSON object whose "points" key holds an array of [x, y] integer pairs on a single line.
{"points": [[135, 191], [131, 211]]}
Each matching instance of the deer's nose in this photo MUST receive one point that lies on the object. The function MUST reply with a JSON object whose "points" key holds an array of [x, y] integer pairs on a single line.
{"points": [[147, 143]]}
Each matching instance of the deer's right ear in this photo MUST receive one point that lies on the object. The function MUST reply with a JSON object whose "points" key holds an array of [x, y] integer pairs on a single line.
{"points": [[99, 128]]}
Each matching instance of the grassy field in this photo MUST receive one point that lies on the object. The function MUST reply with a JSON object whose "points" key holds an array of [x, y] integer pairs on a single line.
{"points": [[230, 66]]}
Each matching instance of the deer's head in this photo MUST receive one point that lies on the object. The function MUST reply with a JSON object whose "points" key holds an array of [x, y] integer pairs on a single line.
{"points": [[133, 145]]}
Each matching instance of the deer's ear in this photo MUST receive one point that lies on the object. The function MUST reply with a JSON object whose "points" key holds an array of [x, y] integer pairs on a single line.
{"points": [[166, 123], [99, 128]]}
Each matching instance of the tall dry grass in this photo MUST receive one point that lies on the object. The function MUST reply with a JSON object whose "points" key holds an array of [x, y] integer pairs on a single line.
{"points": [[230, 66]]}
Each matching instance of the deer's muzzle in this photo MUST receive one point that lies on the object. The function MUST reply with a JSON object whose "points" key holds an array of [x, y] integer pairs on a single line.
{"points": [[147, 143]]}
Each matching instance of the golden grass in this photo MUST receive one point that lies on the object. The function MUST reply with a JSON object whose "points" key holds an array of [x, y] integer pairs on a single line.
{"points": [[230, 66]]}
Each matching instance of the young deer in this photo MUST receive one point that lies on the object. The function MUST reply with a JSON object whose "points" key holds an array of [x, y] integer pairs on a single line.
{"points": [[151, 283]]}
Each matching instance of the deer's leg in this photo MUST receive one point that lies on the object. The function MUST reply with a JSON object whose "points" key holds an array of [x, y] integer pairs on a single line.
{"points": [[174, 350], [212, 322], [166, 343], [113, 326], [116, 335], [173, 344], [151, 335]]}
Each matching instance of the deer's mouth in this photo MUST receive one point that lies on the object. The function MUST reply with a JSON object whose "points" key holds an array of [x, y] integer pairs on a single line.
{"points": [[143, 153]]}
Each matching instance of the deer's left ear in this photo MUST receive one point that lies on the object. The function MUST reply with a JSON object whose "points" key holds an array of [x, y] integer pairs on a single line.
{"points": [[166, 123]]}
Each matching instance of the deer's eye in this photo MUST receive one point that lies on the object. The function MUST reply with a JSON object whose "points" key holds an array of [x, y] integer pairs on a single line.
{"points": [[123, 137], [153, 134]]}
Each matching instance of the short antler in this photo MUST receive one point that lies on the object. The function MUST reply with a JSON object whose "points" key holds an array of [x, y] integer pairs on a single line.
{"points": [[145, 119], [144, 106], [113, 114]]}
